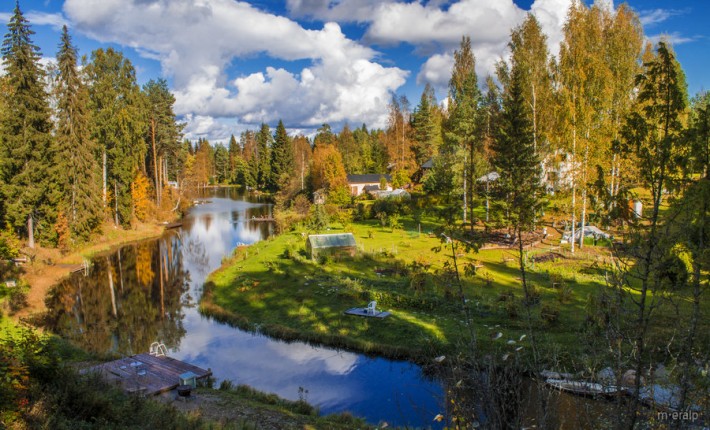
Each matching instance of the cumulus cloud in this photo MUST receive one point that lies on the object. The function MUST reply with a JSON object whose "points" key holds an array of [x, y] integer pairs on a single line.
{"points": [[422, 25], [195, 41]]}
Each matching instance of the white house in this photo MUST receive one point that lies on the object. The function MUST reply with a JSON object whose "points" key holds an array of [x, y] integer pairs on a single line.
{"points": [[370, 182]]}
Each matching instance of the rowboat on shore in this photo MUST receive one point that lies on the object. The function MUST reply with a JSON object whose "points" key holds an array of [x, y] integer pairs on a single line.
{"points": [[582, 388]]}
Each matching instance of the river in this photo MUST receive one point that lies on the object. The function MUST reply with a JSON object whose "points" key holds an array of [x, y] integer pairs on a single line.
{"points": [[148, 291]]}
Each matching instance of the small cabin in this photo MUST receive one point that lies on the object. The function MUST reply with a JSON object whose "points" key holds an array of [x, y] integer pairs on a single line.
{"points": [[336, 245], [361, 183]]}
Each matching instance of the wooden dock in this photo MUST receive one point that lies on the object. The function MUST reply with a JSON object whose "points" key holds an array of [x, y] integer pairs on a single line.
{"points": [[146, 374]]}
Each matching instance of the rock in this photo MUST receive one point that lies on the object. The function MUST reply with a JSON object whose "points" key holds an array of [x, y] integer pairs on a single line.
{"points": [[661, 374], [629, 378], [606, 376]]}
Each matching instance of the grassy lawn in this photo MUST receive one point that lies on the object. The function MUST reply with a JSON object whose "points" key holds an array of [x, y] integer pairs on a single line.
{"points": [[274, 288]]}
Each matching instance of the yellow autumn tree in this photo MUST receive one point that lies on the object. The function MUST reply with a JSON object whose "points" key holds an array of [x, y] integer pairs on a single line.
{"points": [[327, 170], [143, 206]]}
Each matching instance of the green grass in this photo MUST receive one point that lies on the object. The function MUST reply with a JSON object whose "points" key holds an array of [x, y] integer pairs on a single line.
{"points": [[273, 288]]}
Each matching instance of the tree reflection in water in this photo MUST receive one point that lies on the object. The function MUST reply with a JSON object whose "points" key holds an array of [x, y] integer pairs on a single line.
{"points": [[128, 300]]}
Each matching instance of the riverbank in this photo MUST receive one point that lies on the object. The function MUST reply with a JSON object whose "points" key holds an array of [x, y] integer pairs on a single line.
{"points": [[45, 390], [274, 288], [47, 266]]}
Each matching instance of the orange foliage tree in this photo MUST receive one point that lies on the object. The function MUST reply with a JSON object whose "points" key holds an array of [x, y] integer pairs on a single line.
{"points": [[327, 170], [143, 206]]}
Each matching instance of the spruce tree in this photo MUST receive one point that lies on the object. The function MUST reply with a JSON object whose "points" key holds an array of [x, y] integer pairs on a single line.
{"points": [[281, 158], [515, 159], [425, 130], [25, 148], [118, 126], [263, 158], [235, 153], [75, 168], [520, 174], [163, 132], [462, 140]]}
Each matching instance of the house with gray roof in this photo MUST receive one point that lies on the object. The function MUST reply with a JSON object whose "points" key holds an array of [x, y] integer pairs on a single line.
{"points": [[371, 182]]}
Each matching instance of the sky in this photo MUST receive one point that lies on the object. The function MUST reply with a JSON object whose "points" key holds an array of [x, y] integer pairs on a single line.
{"points": [[235, 64]]}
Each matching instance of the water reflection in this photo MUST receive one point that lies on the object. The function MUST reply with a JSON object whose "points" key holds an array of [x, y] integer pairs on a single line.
{"points": [[127, 300], [147, 292]]}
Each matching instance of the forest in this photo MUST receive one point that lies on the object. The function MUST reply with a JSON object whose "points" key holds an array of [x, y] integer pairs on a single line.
{"points": [[574, 138], [83, 143]]}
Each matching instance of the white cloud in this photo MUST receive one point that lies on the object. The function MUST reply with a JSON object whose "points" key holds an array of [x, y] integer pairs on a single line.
{"points": [[335, 10], [655, 16], [487, 21], [674, 38], [54, 20], [195, 41], [424, 25]]}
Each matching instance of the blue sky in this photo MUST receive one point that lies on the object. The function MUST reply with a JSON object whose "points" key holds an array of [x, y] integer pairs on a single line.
{"points": [[233, 64]]}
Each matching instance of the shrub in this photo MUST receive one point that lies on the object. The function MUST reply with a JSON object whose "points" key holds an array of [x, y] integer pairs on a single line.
{"points": [[512, 309], [550, 313], [533, 296], [17, 300]]}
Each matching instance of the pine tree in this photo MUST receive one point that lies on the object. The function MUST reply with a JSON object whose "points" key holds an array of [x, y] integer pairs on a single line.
{"points": [[118, 126], [515, 159], [452, 173], [221, 163], [520, 173], [281, 158], [427, 134], [348, 148], [235, 152], [26, 148], [654, 134], [263, 157], [163, 132], [699, 134], [75, 168], [529, 52]]}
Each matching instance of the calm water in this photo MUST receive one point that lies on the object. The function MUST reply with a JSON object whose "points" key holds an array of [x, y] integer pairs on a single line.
{"points": [[148, 292]]}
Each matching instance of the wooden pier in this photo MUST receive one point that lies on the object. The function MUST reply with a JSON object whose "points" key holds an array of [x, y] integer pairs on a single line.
{"points": [[146, 374]]}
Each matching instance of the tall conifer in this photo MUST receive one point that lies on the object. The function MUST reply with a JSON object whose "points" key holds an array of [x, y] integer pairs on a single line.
{"points": [[118, 126], [25, 148], [263, 158], [75, 168], [281, 157]]}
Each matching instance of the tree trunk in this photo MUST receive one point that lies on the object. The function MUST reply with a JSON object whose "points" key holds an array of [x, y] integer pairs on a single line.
{"points": [[30, 232], [155, 162], [110, 285], [115, 199], [465, 191], [574, 183], [104, 177], [584, 191]]}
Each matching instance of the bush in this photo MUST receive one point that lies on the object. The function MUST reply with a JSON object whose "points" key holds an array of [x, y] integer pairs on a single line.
{"points": [[17, 300], [512, 309], [550, 313], [533, 296]]}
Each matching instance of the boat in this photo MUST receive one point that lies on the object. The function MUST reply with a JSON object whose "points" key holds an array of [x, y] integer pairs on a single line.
{"points": [[583, 388]]}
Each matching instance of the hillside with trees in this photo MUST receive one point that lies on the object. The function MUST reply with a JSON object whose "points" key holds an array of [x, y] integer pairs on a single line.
{"points": [[574, 139]]}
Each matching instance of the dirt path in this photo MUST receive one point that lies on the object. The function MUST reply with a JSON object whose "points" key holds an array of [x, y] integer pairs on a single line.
{"points": [[48, 265]]}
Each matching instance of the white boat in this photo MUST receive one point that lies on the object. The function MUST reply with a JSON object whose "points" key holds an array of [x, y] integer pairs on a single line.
{"points": [[582, 388]]}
